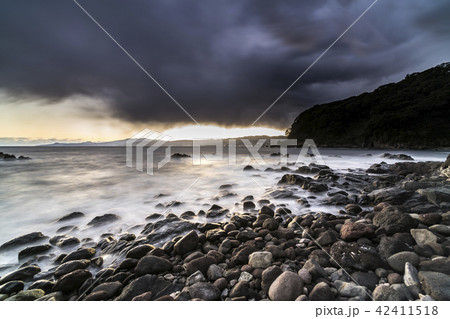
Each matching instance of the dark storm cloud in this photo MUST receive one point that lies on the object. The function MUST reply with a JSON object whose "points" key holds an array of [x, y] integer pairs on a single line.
{"points": [[224, 61]]}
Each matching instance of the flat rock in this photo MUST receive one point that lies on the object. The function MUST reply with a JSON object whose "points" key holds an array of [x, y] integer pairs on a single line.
{"points": [[435, 284], [27, 295], [70, 216], [204, 291], [33, 251], [82, 253], [72, 281], [103, 219], [353, 231], [423, 236], [11, 287], [148, 283], [22, 240], [70, 266], [287, 287], [23, 273]]}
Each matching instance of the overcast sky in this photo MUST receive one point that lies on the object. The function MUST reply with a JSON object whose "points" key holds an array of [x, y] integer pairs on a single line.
{"points": [[225, 61]]}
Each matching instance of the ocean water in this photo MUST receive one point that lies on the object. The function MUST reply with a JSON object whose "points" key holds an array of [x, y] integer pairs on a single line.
{"points": [[96, 181]]}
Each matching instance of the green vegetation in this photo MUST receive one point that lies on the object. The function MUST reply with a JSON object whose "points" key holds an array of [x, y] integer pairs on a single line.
{"points": [[413, 113]]}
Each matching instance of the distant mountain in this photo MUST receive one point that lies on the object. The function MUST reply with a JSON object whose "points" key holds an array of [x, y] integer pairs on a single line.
{"points": [[413, 113], [252, 139]]}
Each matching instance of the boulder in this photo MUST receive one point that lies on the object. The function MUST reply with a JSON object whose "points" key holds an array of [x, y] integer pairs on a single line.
{"points": [[11, 287], [398, 260], [287, 287], [204, 291], [269, 275], [110, 289], [23, 273], [435, 284], [33, 251], [27, 295], [23, 240], [260, 259], [423, 236], [103, 219], [139, 251], [441, 265], [387, 293], [201, 264], [187, 243], [321, 292], [148, 283], [82, 253], [70, 216], [70, 266], [393, 221], [353, 231], [152, 265], [354, 255], [72, 281]]}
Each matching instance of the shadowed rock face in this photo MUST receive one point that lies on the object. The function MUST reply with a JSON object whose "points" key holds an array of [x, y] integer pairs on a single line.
{"points": [[392, 116]]}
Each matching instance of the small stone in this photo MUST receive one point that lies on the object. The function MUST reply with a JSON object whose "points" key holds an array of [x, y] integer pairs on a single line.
{"points": [[394, 278], [423, 236], [313, 267], [204, 291], [351, 290], [260, 259], [411, 276], [386, 293], [201, 264], [245, 276], [288, 286], [214, 272], [398, 260], [195, 278]]}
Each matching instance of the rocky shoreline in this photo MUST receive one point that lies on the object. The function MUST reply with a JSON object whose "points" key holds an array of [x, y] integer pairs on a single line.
{"points": [[390, 243]]}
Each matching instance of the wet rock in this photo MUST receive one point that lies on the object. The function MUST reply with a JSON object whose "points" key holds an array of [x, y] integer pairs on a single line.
{"points": [[353, 209], [204, 291], [387, 293], [11, 287], [248, 168], [265, 210], [64, 241], [70, 266], [260, 259], [23, 273], [248, 205], [148, 283], [381, 168], [110, 289], [423, 236], [201, 264], [436, 195], [139, 251], [33, 251], [187, 243], [43, 284], [353, 231], [72, 281], [22, 240], [287, 287], [27, 295], [354, 255], [435, 284], [321, 292], [152, 265], [103, 219], [398, 260], [402, 157], [269, 275], [393, 221], [82, 253], [70, 216]]}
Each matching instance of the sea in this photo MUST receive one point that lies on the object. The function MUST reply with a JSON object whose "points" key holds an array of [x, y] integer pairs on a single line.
{"points": [[94, 180]]}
